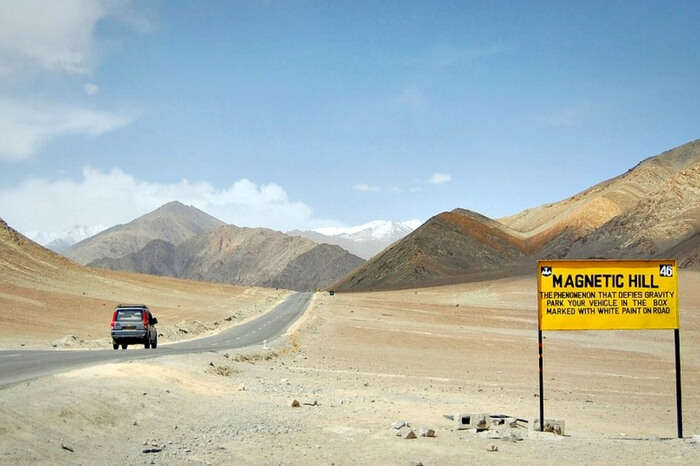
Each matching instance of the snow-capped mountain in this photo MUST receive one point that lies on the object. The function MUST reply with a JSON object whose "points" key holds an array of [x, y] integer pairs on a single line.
{"points": [[59, 241], [364, 240]]}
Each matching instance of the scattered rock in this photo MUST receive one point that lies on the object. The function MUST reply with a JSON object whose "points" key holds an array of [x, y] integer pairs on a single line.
{"points": [[224, 371], [313, 403], [415, 463], [492, 447], [135, 423], [426, 432], [410, 435], [555, 426], [152, 450], [67, 448], [211, 364], [695, 438], [398, 424], [294, 404], [241, 387]]}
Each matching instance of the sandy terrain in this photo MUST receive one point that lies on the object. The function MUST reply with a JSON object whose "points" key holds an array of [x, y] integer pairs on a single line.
{"points": [[369, 360], [74, 309]]}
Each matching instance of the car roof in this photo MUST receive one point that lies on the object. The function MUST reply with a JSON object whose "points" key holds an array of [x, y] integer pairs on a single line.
{"points": [[132, 306]]}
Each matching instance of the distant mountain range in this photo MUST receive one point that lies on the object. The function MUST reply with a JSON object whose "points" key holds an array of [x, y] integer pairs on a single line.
{"points": [[173, 222], [651, 211], [365, 240], [241, 256], [183, 242]]}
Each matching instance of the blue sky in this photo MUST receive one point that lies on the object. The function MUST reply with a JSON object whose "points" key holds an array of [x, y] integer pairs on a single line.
{"points": [[303, 114]]}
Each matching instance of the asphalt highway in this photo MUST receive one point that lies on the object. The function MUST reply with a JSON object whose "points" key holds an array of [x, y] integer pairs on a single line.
{"points": [[22, 365]]}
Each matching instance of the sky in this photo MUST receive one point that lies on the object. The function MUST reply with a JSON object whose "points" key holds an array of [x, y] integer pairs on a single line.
{"points": [[310, 114]]}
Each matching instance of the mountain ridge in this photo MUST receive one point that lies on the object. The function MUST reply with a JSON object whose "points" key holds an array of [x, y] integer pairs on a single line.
{"points": [[241, 256], [619, 217]]}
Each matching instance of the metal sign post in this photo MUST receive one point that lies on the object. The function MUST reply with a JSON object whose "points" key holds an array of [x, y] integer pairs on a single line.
{"points": [[609, 295], [539, 338], [679, 409]]}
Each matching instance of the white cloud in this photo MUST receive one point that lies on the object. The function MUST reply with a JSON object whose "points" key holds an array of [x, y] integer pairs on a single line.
{"points": [[366, 187], [53, 36], [412, 224], [440, 178], [51, 39], [70, 236], [415, 189], [91, 88], [25, 127], [108, 198]]}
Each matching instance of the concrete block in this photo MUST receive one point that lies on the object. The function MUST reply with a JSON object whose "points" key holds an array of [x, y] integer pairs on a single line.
{"points": [[478, 421]]}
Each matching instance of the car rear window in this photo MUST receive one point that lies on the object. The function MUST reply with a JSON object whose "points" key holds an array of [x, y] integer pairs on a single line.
{"points": [[129, 314]]}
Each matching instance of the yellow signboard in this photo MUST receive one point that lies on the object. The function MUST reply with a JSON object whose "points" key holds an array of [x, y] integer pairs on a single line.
{"points": [[607, 294]]}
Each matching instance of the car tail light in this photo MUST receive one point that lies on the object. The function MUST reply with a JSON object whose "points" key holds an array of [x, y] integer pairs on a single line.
{"points": [[145, 319], [114, 319]]}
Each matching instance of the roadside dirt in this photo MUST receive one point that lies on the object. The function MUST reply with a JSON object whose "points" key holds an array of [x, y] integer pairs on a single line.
{"points": [[363, 362], [74, 309]]}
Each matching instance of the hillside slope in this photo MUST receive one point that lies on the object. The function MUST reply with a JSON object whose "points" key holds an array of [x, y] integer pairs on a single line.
{"points": [[554, 227], [173, 222], [666, 221], [650, 211]]}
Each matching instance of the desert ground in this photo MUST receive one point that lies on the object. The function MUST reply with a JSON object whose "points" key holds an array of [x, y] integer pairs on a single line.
{"points": [[357, 363], [73, 309]]}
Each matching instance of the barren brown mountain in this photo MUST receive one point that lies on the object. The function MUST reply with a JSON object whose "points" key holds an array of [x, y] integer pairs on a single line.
{"points": [[649, 211], [173, 222], [242, 256]]}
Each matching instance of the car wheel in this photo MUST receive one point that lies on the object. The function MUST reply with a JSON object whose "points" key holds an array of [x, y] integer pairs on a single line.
{"points": [[124, 346], [115, 345], [147, 344]]}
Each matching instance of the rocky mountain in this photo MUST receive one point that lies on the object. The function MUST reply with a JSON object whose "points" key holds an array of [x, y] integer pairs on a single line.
{"points": [[650, 211], [173, 222], [665, 222], [451, 246], [365, 240], [244, 256]]}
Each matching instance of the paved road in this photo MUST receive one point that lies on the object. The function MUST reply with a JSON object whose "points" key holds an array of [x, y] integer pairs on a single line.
{"points": [[18, 366]]}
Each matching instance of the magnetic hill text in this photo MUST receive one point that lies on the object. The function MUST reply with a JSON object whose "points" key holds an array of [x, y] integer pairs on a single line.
{"points": [[604, 280]]}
